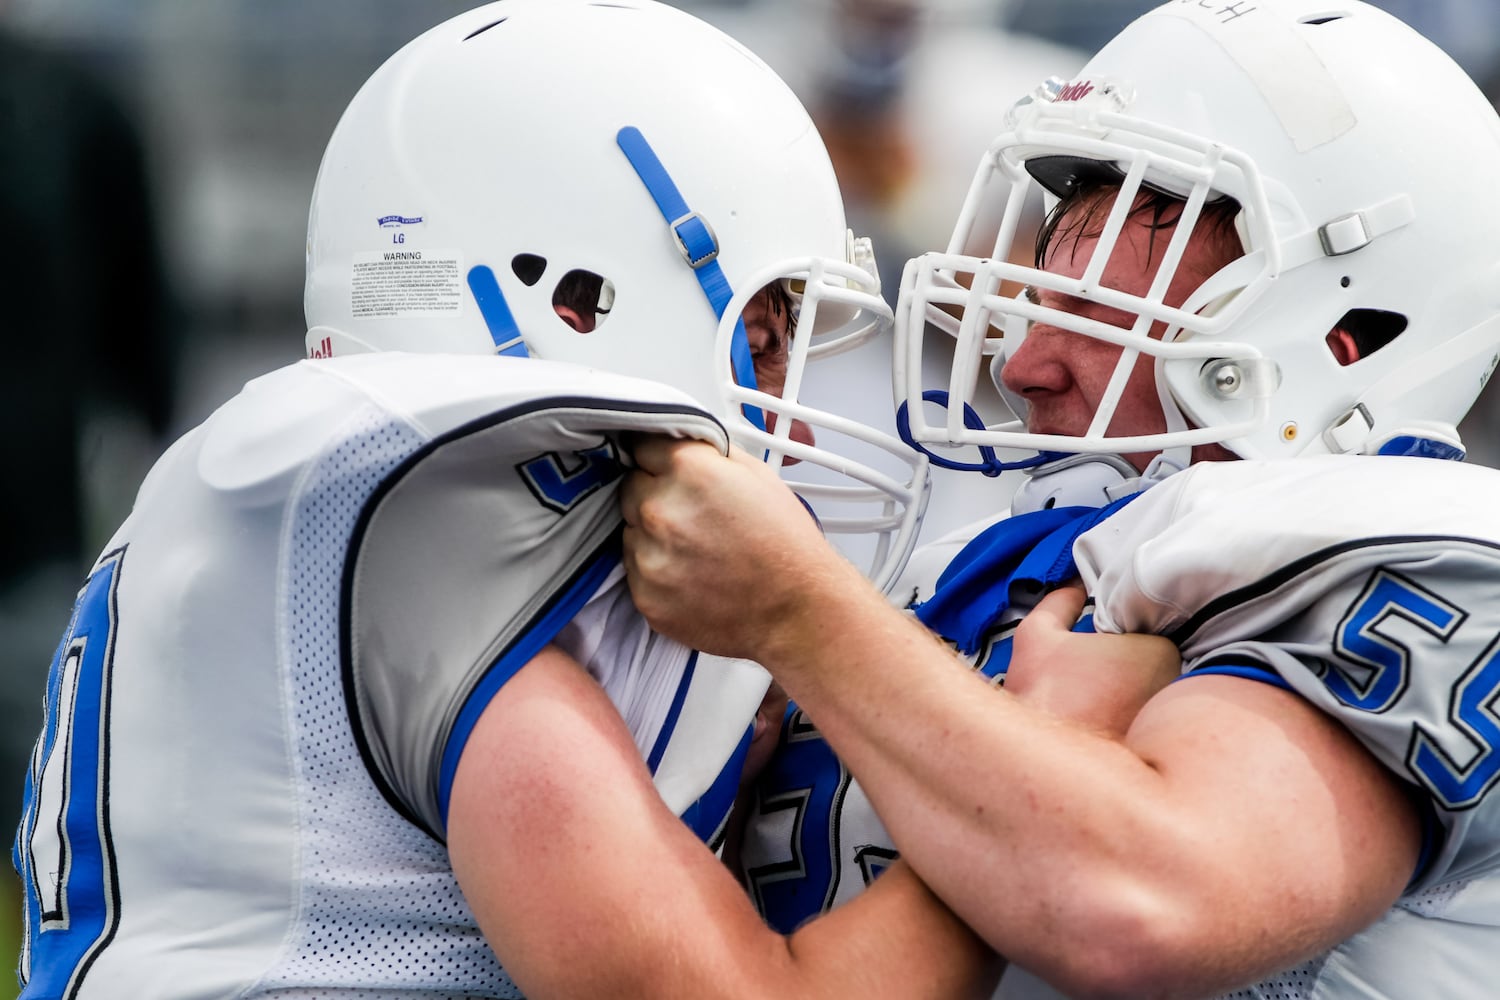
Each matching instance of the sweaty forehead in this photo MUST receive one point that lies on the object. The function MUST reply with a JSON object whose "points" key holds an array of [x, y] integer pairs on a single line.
{"points": [[1149, 227]]}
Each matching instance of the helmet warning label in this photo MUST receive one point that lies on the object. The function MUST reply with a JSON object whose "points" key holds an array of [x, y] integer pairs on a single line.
{"points": [[407, 283]]}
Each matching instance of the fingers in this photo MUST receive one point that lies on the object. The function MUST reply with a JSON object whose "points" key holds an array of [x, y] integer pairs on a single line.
{"points": [[662, 462], [1097, 681], [660, 498], [653, 455], [652, 452], [743, 457], [1059, 610], [657, 453], [632, 491]]}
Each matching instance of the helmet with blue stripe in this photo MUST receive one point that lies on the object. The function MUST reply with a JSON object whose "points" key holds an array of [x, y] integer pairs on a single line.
{"points": [[609, 184]]}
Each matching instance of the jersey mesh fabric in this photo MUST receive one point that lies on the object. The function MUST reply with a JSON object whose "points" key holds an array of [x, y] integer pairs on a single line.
{"points": [[379, 911], [1293, 984], [1432, 902]]}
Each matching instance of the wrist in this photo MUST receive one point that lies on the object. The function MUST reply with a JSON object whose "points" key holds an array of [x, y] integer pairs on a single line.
{"points": [[827, 613]]}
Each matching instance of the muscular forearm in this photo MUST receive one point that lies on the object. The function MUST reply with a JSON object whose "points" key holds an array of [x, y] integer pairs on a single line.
{"points": [[947, 761], [1074, 853], [851, 947]]}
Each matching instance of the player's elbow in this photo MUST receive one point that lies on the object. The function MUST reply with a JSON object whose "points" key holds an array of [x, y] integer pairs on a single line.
{"points": [[1129, 953]]}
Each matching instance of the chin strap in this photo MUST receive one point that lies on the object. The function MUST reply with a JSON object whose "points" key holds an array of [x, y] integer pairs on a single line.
{"points": [[496, 313], [989, 463], [699, 247], [1413, 446], [1352, 432], [1087, 481]]}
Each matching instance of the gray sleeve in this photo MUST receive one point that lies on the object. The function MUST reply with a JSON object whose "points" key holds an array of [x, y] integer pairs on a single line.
{"points": [[467, 560]]}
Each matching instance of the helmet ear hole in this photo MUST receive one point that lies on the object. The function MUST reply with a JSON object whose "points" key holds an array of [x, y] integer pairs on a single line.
{"points": [[1371, 329], [583, 299], [528, 267]]}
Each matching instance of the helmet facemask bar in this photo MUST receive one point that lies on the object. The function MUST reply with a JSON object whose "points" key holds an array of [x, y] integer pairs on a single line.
{"points": [[852, 312], [976, 301], [870, 484]]}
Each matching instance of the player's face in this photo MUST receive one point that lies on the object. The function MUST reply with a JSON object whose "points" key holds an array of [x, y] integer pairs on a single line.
{"points": [[768, 326], [1063, 375]]}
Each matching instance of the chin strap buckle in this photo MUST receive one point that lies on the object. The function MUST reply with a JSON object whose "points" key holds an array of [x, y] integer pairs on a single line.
{"points": [[1349, 432]]}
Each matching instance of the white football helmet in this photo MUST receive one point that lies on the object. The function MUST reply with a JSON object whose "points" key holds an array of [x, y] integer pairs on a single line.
{"points": [[1362, 159], [607, 184]]}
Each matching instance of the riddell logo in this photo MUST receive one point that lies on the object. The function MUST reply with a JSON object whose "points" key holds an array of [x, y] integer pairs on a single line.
{"points": [[1076, 91], [324, 349]]}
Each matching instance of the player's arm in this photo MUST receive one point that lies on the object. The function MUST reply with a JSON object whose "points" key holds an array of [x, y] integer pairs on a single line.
{"points": [[1233, 831], [587, 885]]}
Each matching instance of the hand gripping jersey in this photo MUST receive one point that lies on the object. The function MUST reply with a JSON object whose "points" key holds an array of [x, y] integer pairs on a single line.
{"points": [[1369, 586], [254, 717]]}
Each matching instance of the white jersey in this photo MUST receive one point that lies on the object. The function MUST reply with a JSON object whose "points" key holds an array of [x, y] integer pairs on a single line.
{"points": [[1370, 587], [255, 714]]}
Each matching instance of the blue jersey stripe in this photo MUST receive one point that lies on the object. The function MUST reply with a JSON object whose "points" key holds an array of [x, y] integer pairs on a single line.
{"points": [[511, 661]]}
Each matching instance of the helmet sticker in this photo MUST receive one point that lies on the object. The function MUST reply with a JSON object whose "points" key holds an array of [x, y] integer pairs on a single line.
{"points": [[390, 283]]}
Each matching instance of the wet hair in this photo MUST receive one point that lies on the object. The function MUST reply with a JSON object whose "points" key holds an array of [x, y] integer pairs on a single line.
{"points": [[579, 291], [1082, 211], [781, 306]]}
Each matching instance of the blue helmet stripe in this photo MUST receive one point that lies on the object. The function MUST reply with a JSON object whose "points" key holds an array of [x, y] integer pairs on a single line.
{"points": [[496, 313], [700, 248]]}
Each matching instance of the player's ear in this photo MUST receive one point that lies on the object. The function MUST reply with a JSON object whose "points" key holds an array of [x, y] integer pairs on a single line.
{"points": [[1341, 342]]}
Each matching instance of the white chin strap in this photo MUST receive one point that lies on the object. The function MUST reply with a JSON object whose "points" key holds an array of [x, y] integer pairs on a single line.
{"points": [[1177, 456], [1087, 481]]}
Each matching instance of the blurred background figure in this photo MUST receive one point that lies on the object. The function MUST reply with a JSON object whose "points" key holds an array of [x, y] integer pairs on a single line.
{"points": [[156, 162], [86, 382], [858, 92], [87, 379]]}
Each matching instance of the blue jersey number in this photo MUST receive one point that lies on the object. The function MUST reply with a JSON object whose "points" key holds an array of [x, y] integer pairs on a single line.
{"points": [[560, 481], [1383, 669], [1383, 662], [1461, 784], [62, 851], [806, 778]]}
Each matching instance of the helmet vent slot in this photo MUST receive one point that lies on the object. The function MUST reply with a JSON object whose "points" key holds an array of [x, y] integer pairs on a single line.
{"points": [[1372, 329], [1322, 19], [528, 267]]}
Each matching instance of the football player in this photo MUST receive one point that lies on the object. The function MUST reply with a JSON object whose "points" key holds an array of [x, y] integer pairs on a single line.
{"points": [[355, 703], [1257, 251]]}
